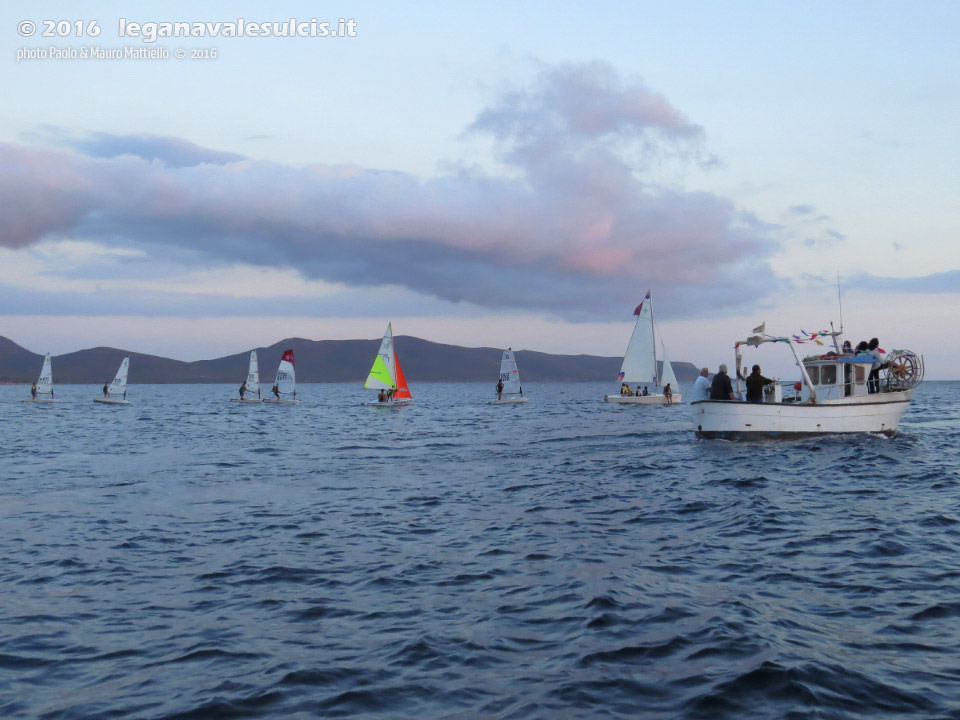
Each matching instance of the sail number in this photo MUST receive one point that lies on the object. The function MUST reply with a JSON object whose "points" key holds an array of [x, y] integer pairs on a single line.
{"points": [[282, 376]]}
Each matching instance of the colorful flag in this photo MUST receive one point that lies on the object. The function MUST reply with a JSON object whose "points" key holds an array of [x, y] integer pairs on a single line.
{"points": [[760, 328]]}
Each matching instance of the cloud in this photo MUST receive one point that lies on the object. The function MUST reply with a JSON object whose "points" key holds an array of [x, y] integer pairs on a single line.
{"points": [[828, 238], [145, 301], [933, 284], [576, 227], [173, 152]]}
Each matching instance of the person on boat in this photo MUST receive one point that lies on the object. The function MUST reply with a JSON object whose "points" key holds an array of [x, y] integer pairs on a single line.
{"points": [[645, 391], [755, 383], [847, 348], [243, 389], [639, 391], [382, 397], [33, 391], [878, 354], [701, 388], [500, 389], [722, 388], [276, 391], [625, 389], [106, 389], [668, 394], [389, 394]]}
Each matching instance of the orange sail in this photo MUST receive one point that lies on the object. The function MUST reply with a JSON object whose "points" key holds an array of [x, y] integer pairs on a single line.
{"points": [[402, 390]]}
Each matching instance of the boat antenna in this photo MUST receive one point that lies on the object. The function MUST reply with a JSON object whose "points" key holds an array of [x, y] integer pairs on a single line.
{"points": [[839, 302]]}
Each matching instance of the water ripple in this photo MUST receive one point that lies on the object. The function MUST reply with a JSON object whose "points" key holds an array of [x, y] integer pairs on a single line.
{"points": [[566, 559]]}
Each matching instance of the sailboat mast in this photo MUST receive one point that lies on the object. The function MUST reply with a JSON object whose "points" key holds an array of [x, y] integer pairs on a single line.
{"points": [[653, 338]]}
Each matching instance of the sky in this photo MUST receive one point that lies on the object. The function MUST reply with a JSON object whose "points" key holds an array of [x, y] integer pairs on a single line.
{"points": [[483, 174]]}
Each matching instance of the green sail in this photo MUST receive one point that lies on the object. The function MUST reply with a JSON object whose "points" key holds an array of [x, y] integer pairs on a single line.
{"points": [[379, 377]]}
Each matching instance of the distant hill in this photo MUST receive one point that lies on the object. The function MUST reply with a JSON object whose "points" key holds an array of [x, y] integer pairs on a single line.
{"points": [[317, 361]]}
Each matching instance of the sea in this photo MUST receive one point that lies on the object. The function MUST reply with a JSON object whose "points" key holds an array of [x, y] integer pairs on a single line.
{"points": [[190, 558]]}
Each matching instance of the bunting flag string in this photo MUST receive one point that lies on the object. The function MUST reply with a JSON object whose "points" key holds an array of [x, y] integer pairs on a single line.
{"points": [[801, 339]]}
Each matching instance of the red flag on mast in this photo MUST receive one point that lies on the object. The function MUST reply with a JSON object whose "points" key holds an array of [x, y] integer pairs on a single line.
{"points": [[640, 306]]}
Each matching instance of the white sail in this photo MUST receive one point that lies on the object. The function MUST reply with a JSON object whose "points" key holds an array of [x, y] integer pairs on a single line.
{"points": [[509, 374], [253, 376], [286, 375], [667, 376], [119, 385], [640, 360], [45, 382], [383, 374]]}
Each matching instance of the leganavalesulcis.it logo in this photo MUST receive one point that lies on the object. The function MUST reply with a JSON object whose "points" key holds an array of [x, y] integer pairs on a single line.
{"points": [[150, 32]]}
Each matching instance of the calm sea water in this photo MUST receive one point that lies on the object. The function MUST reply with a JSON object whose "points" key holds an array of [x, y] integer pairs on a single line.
{"points": [[191, 558]]}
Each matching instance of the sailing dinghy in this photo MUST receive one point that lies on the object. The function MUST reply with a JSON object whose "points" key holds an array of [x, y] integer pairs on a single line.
{"points": [[116, 392], [44, 384], [639, 366], [251, 387], [386, 375], [285, 388], [512, 393]]}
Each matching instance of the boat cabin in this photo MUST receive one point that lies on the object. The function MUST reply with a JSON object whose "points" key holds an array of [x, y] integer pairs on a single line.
{"points": [[837, 376]]}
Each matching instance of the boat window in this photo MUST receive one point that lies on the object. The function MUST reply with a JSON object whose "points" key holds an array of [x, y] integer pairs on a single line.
{"points": [[861, 373], [814, 373], [828, 375]]}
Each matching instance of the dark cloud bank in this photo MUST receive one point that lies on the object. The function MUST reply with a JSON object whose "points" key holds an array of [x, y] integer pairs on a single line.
{"points": [[576, 228]]}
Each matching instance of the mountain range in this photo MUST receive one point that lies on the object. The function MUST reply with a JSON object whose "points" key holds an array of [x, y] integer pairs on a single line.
{"points": [[317, 361]]}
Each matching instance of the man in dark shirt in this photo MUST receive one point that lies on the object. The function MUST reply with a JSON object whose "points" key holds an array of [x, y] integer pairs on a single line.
{"points": [[722, 388], [755, 383]]}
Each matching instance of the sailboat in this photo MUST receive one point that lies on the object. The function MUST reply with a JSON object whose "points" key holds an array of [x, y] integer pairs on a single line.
{"points": [[510, 377], [251, 392], [639, 367], [44, 384], [285, 388], [116, 392], [386, 375]]}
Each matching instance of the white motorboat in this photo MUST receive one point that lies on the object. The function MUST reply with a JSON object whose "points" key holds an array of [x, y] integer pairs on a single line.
{"points": [[833, 397]]}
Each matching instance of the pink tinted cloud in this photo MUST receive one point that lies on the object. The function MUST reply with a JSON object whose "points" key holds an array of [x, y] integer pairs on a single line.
{"points": [[576, 229]]}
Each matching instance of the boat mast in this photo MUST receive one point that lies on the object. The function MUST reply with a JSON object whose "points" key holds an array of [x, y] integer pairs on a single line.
{"points": [[803, 372], [657, 377]]}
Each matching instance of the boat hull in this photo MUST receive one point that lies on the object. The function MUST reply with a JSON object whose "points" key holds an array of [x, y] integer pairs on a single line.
{"points": [[111, 401], [389, 403], [733, 420], [41, 400], [246, 400], [642, 399], [509, 401]]}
